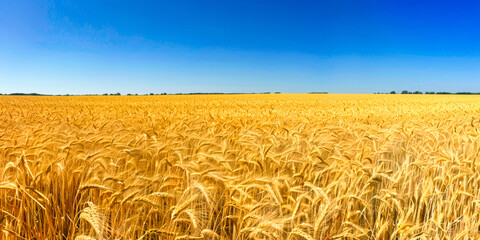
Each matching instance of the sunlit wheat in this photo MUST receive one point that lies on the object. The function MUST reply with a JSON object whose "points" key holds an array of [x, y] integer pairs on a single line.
{"points": [[283, 166]]}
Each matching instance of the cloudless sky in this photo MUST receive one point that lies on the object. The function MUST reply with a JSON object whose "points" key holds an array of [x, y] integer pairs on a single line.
{"points": [[95, 47]]}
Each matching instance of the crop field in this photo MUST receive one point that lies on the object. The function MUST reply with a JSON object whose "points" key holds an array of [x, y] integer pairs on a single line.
{"points": [[263, 166]]}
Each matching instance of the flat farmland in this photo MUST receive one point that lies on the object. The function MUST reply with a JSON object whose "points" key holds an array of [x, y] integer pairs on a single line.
{"points": [[253, 166]]}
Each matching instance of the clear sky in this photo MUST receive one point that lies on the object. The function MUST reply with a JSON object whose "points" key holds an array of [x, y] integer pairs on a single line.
{"points": [[95, 46]]}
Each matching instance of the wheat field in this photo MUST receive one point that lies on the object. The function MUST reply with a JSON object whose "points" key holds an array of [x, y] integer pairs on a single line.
{"points": [[263, 166]]}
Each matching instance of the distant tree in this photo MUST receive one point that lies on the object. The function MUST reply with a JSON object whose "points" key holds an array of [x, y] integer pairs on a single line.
{"points": [[277, 92], [128, 94], [417, 92], [404, 92], [151, 94], [393, 92], [26, 94]]}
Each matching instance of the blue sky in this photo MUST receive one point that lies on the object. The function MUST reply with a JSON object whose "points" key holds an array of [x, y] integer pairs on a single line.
{"points": [[93, 47]]}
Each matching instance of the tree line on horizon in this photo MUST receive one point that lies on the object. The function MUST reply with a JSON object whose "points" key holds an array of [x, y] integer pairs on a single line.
{"points": [[419, 92], [200, 93]]}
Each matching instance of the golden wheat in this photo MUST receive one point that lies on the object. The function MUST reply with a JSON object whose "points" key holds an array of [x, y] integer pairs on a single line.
{"points": [[283, 166]]}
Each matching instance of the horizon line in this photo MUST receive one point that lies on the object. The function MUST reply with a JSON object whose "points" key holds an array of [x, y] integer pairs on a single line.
{"points": [[404, 92]]}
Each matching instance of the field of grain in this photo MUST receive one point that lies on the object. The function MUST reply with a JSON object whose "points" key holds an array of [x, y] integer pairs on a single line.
{"points": [[265, 166]]}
